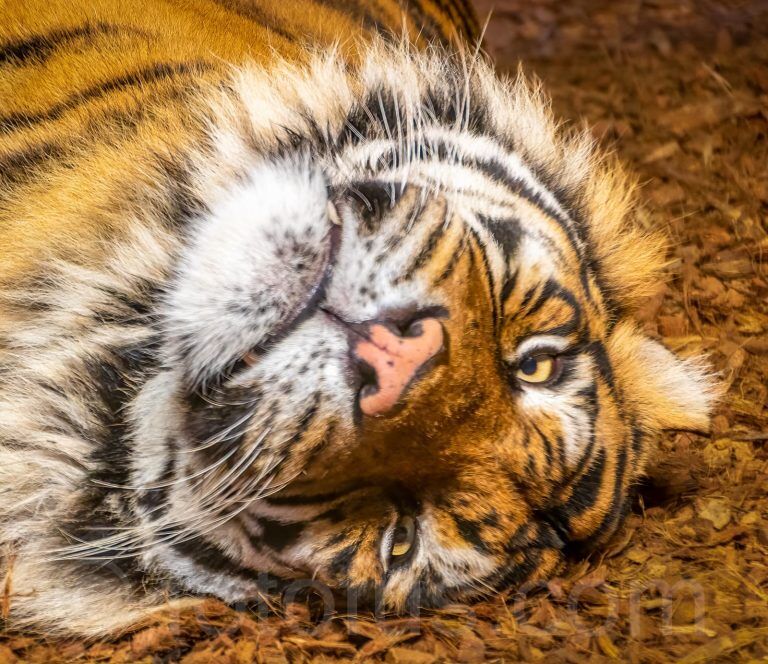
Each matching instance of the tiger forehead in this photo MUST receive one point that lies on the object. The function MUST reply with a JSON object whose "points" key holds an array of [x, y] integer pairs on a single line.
{"points": [[543, 294], [542, 284], [548, 309]]}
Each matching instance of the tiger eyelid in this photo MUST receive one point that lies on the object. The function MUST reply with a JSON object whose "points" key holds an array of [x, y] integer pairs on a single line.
{"points": [[546, 343]]}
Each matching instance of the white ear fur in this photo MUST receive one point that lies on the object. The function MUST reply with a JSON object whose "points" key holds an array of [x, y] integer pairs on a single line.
{"points": [[667, 392]]}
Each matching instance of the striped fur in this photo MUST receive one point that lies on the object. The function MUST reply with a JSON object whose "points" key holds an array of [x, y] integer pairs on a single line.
{"points": [[177, 412]]}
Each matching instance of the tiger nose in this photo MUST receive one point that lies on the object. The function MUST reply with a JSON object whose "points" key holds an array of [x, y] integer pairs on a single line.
{"points": [[396, 360]]}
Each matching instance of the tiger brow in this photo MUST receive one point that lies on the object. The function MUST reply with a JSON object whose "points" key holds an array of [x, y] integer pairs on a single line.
{"points": [[535, 299]]}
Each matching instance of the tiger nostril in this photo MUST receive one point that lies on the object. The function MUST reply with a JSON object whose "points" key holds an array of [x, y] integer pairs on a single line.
{"points": [[413, 329], [407, 321], [366, 375]]}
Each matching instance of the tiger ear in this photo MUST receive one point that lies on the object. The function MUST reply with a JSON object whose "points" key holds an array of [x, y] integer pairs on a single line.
{"points": [[666, 392]]}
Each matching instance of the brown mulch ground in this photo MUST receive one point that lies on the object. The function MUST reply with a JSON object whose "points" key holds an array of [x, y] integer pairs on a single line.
{"points": [[680, 89]]}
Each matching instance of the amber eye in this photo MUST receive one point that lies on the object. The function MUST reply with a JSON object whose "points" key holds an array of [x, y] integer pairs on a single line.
{"points": [[403, 538], [536, 369]]}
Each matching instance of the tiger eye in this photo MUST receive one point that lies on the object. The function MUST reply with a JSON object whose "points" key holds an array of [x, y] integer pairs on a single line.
{"points": [[536, 369], [403, 537]]}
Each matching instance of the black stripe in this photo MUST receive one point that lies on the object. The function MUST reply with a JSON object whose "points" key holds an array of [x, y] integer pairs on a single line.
{"points": [[156, 72], [598, 353], [427, 23], [129, 309], [506, 232], [470, 531], [530, 464], [469, 19], [17, 166], [279, 536], [554, 290], [616, 511], [489, 276], [303, 500], [567, 328], [439, 102], [547, 443], [113, 384], [547, 292], [181, 204], [20, 166], [214, 559], [451, 266], [519, 572], [560, 447], [510, 282], [495, 170], [574, 230], [528, 296], [40, 47], [586, 490], [455, 16], [590, 397], [428, 250], [340, 563], [448, 13], [258, 15], [442, 104], [372, 200], [207, 417], [359, 11]]}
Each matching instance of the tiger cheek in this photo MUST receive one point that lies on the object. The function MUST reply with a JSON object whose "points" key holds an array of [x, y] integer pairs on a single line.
{"points": [[594, 503]]}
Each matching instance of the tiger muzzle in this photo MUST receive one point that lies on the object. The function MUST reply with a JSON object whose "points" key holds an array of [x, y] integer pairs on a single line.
{"points": [[390, 361]]}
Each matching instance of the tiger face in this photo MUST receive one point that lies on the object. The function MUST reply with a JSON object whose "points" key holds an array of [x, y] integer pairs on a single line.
{"points": [[395, 350]]}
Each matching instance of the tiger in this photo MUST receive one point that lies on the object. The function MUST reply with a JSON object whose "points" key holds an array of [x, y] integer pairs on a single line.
{"points": [[306, 290]]}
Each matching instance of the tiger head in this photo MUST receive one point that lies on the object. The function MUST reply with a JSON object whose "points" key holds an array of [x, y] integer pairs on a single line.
{"points": [[398, 351]]}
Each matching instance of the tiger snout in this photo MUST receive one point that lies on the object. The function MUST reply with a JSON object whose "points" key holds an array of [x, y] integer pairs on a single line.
{"points": [[390, 359]]}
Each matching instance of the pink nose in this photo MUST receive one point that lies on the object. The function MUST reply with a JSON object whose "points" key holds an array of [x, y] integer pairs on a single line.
{"points": [[396, 360]]}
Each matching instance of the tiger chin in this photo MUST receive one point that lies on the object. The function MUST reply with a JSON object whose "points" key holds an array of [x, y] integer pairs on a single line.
{"points": [[364, 320]]}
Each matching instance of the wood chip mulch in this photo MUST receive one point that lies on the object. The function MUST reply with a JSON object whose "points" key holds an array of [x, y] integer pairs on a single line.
{"points": [[679, 88]]}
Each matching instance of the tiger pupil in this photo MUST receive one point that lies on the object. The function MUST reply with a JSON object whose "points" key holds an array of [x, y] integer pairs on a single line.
{"points": [[529, 366]]}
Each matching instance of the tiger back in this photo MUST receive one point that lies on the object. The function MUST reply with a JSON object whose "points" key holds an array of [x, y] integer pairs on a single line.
{"points": [[76, 74]]}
